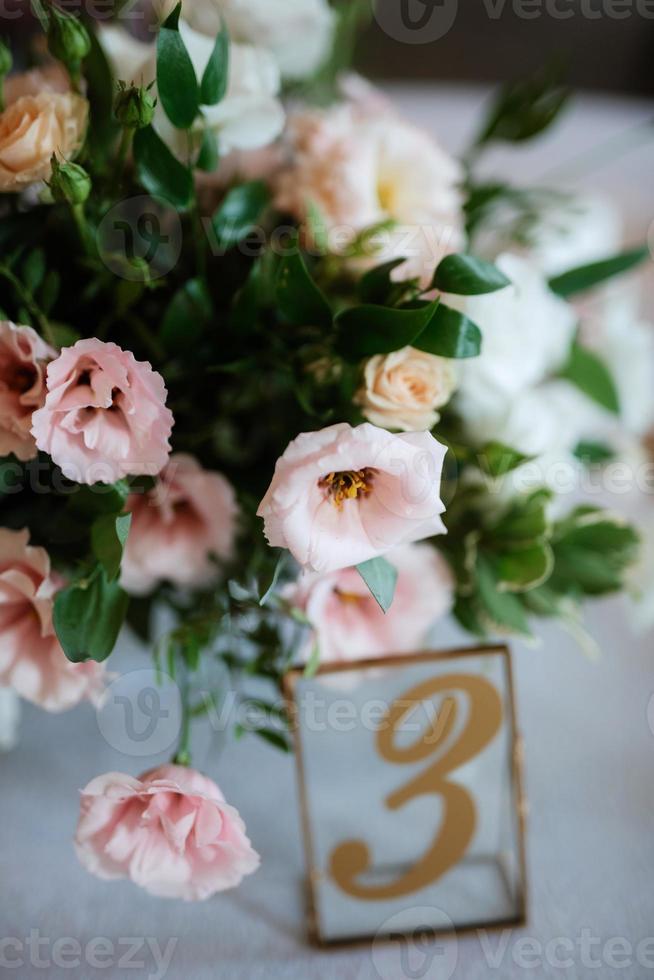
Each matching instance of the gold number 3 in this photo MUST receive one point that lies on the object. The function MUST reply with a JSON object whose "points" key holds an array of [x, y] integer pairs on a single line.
{"points": [[352, 858]]}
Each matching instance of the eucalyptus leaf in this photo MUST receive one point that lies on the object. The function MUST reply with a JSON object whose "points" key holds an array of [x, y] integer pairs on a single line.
{"points": [[381, 578]]}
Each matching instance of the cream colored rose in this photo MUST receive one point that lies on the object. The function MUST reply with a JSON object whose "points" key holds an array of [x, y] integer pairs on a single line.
{"points": [[34, 125], [403, 390]]}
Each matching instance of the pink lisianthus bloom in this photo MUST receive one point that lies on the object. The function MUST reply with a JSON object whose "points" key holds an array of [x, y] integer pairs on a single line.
{"points": [[23, 358], [169, 831], [348, 623], [177, 527], [31, 658], [105, 414], [344, 495]]}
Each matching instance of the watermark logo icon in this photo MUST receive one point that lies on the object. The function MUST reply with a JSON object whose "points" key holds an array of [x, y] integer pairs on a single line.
{"points": [[416, 21], [140, 238], [142, 713], [416, 953]]}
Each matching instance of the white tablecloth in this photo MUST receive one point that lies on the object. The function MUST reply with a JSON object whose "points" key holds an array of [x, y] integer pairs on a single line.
{"points": [[589, 764]]}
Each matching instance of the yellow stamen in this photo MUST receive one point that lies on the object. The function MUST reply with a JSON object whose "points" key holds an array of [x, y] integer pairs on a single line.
{"points": [[347, 485]]}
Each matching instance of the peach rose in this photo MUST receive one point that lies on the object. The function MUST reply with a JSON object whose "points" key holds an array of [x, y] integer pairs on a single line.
{"points": [[177, 527], [42, 116], [402, 390], [105, 414], [363, 168], [23, 356], [348, 623], [343, 495], [170, 831], [31, 659]]}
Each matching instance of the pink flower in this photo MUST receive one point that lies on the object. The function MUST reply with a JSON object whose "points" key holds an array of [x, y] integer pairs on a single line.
{"points": [[188, 517], [348, 623], [23, 356], [343, 495], [31, 659], [105, 414], [169, 831]]}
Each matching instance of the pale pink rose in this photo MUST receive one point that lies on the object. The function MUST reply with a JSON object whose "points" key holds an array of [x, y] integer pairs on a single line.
{"points": [[361, 168], [31, 659], [343, 495], [188, 517], [23, 357], [42, 117], [105, 414], [404, 389], [348, 623], [170, 831]]}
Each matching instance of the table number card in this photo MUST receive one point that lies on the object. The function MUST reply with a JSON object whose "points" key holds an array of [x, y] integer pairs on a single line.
{"points": [[411, 794]]}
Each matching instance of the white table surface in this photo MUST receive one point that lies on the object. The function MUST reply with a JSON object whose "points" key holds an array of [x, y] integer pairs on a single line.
{"points": [[589, 765]]}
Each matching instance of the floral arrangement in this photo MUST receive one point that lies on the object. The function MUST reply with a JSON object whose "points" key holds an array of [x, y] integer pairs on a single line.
{"points": [[272, 359]]}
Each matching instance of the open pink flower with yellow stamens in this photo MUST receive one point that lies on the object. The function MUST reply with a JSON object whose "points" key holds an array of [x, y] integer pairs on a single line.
{"points": [[344, 495]]}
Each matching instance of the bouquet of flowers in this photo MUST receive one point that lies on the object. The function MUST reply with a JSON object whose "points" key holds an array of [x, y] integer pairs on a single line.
{"points": [[272, 359]]}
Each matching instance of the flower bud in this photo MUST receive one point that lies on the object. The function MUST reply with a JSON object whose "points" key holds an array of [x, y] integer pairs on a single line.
{"points": [[6, 61], [69, 182], [134, 106], [68, 39]]}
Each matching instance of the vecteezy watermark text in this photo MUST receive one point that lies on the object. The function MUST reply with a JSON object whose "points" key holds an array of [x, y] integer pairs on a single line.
{"points": [[41, 952]]}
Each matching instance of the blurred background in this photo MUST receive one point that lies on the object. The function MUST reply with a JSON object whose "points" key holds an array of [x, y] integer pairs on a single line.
{"points": [[606, 44]]}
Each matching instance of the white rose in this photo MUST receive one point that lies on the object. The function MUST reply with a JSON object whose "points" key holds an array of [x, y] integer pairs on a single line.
{"points": [[403, 390], [248, 117], [526, 336], [363, 167], [566, 233]]}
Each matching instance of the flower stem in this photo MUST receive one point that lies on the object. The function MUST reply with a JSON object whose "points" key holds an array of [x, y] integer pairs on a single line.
{"points": [[183, 755], [26, 298], [121, 158]]}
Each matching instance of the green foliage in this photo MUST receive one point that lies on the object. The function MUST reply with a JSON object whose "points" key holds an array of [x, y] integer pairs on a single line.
{"points": [[592, 551], [213, 86], [497, 460], [108, 538], [88, 615], [585, 277], [381, 578], [585, 370], [525, 108], [450, 334], [176, 82], [187, 316], [464, 275], [160, 172], [240, 211], [298, 297]]}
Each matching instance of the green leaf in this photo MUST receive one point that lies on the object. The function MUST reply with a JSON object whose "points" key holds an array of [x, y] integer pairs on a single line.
{"points": [[381, 578], [269, 585], [187, 317], [586, 276], [240, 211], [177, 85], [160, 172], [504, 610], [523, 568], [525, 521], [377, 286], [103, 127], [594, 453], [368, 330], [585, 370], [34, 269], [465, 275], [297, 296], [99, 498], [214, 79], [88, 615], [108, 537], [525, 108], [313, 662], [450, 334], [497, 460], [208, 157], [592, 551]]}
